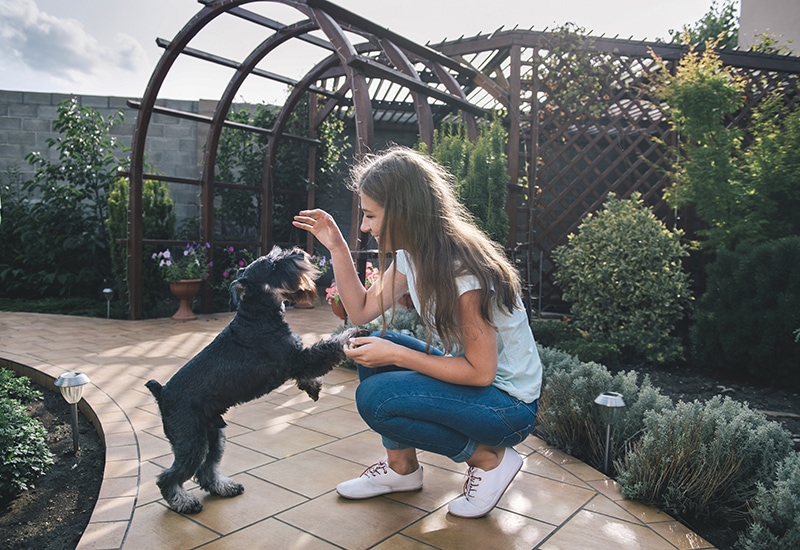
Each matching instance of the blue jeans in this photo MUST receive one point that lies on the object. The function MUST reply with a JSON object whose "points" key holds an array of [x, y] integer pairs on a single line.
{"points": [[410, 409]]}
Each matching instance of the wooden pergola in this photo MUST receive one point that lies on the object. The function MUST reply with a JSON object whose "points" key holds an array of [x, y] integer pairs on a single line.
{"points": [[580, 122]]}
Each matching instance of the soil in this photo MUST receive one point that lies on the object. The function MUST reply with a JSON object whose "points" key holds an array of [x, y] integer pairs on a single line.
{"points": [[54, 514]]}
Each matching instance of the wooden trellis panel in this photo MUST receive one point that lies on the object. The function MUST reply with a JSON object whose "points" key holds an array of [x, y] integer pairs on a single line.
{"points": [[588, 127]]}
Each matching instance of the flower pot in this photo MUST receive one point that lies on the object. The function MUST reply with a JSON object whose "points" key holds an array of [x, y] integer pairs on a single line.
{"points": [[338, 310], [184, 291]]}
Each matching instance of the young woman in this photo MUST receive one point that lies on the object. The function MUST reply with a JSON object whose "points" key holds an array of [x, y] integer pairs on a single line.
{"points": [[478, 397]]}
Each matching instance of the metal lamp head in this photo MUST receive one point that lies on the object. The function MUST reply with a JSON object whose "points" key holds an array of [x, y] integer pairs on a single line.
{"points": [[108, 293], [71, 385], [611, 405]]}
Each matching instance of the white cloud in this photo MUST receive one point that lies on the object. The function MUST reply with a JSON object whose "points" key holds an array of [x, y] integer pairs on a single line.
{"points": [[60, 47]]}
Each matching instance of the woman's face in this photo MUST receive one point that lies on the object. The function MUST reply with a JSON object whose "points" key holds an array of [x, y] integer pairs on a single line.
{"points": [[372, 220]]}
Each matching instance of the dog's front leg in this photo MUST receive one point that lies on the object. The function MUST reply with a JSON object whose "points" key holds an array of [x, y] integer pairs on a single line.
{"points": [[318, 360]]}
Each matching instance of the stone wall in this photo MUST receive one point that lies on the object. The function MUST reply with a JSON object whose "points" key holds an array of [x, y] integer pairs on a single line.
{"points": [[174, 145]]}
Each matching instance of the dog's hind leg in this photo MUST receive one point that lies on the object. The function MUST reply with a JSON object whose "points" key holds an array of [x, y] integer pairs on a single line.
{"points": [[189, 451], [208, 476]]}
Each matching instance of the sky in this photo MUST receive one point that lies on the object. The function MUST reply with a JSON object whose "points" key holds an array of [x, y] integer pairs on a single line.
{"points": [[108, 47]]}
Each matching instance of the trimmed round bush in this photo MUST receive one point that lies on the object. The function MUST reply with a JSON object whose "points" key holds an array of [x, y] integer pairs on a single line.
{"points": [[623, 277]]}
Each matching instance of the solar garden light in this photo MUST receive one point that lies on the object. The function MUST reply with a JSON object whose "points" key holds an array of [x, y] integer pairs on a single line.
{"points": [[71, 386], [611, 405], [108, 293]]}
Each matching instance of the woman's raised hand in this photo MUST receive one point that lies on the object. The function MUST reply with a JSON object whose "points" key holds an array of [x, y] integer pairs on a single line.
{"points": [[320, 224]]}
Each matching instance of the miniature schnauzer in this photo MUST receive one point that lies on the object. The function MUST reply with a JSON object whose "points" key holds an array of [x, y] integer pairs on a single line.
{"points": [[252, 356]]}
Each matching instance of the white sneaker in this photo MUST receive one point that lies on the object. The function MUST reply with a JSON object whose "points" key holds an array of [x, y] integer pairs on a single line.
{"points": [[380, 479], [482, 489]]}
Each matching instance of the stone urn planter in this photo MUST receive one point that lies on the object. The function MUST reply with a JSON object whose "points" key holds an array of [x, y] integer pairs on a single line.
{"points": [[184, 290]]}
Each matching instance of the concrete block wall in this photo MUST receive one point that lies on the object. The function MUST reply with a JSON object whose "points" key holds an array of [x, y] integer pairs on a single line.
{"points": [[174, 145]]}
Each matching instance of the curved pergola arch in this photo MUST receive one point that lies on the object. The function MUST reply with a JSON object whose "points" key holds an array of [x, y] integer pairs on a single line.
{"points": [[563, 156], [384, 56]]}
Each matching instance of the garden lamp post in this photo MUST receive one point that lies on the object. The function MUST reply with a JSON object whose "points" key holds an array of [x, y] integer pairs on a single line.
{"points": [[71, 386], [611, 405], [108, 293]]}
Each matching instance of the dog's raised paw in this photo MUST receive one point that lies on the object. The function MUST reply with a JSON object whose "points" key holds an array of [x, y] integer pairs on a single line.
{"points": [[311, 386]]}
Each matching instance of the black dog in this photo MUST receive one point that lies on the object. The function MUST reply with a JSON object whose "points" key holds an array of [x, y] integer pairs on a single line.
{"points": [[252, 356]]}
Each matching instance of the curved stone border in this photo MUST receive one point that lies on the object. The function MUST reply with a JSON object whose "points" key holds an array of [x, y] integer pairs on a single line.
{"points": [[116, 501]]}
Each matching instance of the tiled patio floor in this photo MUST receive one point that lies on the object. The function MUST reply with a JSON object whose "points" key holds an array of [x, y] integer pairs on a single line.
{"points": [[290, 453]]}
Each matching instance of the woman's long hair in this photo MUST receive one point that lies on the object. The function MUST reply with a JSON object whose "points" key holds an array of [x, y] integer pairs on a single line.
{"points": [[423, 216]]}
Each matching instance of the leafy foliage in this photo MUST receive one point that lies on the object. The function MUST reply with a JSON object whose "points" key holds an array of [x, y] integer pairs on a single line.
{"points": [[573, 78], [747, 317], [775, 513], [622, 275], [702, 460], [743, 190], [24, 453], [56, 223], [719, 23], [480, 171], [158, 222], [17, 387], [568, 417], [240, 159]]}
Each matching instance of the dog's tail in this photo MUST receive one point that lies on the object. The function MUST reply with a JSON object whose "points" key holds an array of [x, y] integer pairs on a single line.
{"points": [[155, 389]]}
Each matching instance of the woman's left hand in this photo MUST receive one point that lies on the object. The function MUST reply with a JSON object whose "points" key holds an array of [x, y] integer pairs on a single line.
{"points": [[370, 351]]}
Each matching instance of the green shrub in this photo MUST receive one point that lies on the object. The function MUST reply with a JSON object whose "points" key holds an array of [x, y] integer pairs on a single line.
{"points": [[158, 222], [480, 171], [775, 514], [588, 350], [551, 333], [747, 317], [703, 460], [622, 275], [17, 387], [568, 417], [24, 454], [59, 239]]}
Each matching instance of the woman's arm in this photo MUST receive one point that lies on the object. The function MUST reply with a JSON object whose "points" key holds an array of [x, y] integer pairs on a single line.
{"points": [[362, 305], [477, 367]]}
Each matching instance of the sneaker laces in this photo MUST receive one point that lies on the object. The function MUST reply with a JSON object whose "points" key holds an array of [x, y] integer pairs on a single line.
{"points": [[377, 469], [472, 482]]}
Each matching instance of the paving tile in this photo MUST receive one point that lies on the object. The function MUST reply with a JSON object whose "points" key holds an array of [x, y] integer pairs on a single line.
{"points": [[259, 500], [544, 499], [156, 527], [269, 534], [351, 523], [282, 440], [103, 535], [290, 452], [499, 529], [310, 473], [680, 535], [590, 530], [334, 422]]}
